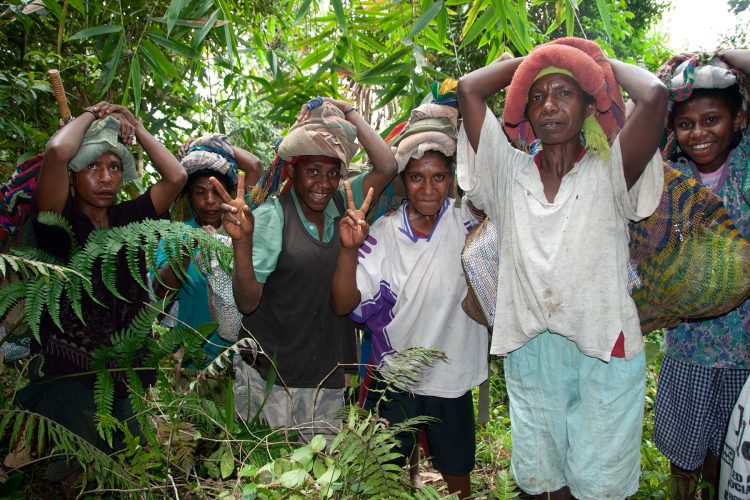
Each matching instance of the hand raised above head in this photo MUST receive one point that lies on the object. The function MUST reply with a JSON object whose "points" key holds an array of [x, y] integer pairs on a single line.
{"points": [[353, 227], [236, 217], [183, 149]]}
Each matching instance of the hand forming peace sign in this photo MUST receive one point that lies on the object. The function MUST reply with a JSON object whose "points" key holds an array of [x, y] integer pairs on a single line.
{"points": [[236, 216], [353, 227]]}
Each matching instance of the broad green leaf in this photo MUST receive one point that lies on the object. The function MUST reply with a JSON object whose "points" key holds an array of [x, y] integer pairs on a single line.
{"points": [[170, 44], [330, 475], [604, 13], [95, 31], [157, 60], [385, 64], [303, 8], [227, 463], [338, 9], [200, 35], [317, 443], [293, 478], [442, 24], [423, 20], [249, 492], [479, 26], [304, 456], [472, 16], [135, 83], [112, 66], [173, 13]]}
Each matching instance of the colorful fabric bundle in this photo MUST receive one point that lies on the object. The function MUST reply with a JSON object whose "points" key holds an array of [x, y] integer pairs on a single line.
{"points": [[211, 152], [589, 66], [101, 137], [15, 197], [272, 182], [687, 260]]}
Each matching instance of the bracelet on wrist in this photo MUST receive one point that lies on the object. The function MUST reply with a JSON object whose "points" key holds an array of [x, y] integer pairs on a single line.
{"points": [[89, 111], [350, 110]]}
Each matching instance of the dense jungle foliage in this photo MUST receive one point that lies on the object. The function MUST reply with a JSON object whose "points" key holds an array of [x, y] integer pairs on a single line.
{"points": [[244, 67]]}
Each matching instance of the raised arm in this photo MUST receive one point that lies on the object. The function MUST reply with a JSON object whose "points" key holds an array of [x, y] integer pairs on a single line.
{"points": [[475, 88], [353, 230], [739, 58], [639, 138], [52, 184], [173, 176], [239, 224], [384, 165], [248, 163]]}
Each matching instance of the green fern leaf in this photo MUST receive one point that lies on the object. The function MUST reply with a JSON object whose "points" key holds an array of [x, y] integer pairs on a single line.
{"points": [[110, 260], [40, 437], [54, 292], [10, 294], [36, 293], [104, 394], [73, 294], [133, 256], [20, 418]]}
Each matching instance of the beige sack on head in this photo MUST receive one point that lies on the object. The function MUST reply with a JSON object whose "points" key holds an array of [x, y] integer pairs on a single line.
{"points": [[326, 132]]}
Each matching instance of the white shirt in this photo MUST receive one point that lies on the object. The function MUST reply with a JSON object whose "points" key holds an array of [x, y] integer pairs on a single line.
{"points": [[412, 289], [563, 265]]}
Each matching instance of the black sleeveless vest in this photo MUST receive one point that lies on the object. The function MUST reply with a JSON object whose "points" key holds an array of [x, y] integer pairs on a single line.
{"points": [[294, 321]]}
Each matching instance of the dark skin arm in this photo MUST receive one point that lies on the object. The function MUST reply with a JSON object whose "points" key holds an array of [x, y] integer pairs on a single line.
{"points": [[475, 88], [173, 176], [353, 230], [250, 164], [238, 222], [168, 279], [52, 183], [639, 138], [739, 58]]}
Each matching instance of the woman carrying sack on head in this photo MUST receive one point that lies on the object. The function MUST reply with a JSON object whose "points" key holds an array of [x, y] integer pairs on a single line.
{"points": [[285, 254]]}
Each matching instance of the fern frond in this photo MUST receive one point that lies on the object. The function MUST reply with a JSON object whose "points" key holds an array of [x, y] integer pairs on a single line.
{"points": [[223, 360], [140, 408], [55, 219], [36, 294], [54, 292], [133, 257], [405, 368], [10, 294], [104, 396], [84, 262], [110, 260], [109, 472], [33, 264], [73, 293]]}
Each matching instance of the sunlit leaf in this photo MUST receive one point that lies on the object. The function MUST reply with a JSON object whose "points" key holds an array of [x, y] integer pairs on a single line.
{"points": [[423, 20], [338, 9], [173, 13], [95, 31], [604, 13], [135, 83]]}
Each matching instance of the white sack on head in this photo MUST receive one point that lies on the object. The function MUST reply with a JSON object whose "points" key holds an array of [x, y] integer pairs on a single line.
{"points": [[432, 127]]}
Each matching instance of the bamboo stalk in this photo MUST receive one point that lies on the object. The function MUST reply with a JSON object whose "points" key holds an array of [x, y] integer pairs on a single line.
{"points": [[59, 90]]}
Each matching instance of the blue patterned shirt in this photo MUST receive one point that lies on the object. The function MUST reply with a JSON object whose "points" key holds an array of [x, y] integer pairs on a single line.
{"points": [[723, 342]]}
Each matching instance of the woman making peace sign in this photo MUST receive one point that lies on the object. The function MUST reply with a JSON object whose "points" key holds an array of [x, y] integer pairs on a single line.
{"points": [[285, 255]]}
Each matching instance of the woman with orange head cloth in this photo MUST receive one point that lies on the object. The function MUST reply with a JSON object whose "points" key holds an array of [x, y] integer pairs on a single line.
{"points": [[569, 331]]}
